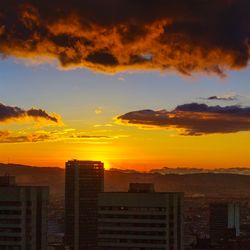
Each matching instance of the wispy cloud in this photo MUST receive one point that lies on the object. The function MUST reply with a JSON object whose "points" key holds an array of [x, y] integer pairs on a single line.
{"points": [[99, 110], [103, 125], [121, 79], [92, 137], [67, 135], [222, 98], [10, 137]]}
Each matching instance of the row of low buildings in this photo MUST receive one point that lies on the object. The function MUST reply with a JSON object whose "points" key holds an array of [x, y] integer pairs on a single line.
{"points": [[140, 219]]}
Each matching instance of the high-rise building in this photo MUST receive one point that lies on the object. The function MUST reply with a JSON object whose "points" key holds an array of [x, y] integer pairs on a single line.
{"points": [[23, 216], [83, 182], [224, 221], [140, 219]]}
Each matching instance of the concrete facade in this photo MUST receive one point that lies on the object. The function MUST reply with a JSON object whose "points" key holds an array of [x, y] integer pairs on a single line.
{"points": [[224, 221], [23, 216], [140, 220], [84, 180]]}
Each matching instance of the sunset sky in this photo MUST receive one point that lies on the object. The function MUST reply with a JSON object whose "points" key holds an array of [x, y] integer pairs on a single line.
{"points": [[180, 100]]}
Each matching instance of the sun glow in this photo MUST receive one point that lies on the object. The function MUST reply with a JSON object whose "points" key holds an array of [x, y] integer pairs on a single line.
{"points": [[107, 165], [98, 156]]}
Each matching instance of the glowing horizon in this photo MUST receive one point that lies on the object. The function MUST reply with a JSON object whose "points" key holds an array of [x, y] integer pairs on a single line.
{"points": [[89, 131], [136, 85]]}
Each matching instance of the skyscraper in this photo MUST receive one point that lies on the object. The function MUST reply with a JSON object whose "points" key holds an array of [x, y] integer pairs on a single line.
{"points": [[140, 219], [224, 221], [23, 216], [84, 180]]}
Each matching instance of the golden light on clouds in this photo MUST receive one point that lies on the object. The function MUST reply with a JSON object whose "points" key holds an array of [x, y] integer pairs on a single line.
{"points": [[162, 35], [202, 38]]}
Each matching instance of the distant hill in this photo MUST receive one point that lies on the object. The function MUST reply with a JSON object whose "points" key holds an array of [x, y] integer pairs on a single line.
{"points": [[29, 175], [208, 184], [166, 170]]}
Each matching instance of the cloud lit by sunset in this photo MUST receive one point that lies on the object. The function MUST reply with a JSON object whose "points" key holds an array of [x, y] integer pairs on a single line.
{"points": [[112, 36], [193, 119], [15, 114]]}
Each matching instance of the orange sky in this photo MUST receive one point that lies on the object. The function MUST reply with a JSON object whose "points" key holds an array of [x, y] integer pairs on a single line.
{"points": [[136, 149], [136, 84]]}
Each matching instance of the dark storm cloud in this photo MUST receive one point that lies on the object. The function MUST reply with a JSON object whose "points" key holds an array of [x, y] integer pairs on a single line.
{"points": [[112, 35], [15, 113], [192, 119]]}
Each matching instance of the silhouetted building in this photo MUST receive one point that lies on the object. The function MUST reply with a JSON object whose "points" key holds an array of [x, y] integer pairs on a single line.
{"points": [[224, 221], [23, 216], [201, 244], [140, 219], [83, 182], [56, 247], [238, 243]]}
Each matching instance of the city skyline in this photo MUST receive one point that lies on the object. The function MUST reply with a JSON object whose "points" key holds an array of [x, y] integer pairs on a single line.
{"points": [[138, 114]]}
